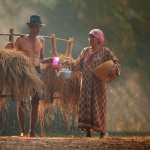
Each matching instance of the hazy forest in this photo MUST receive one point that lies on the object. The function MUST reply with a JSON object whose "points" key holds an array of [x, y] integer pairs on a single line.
{"points": [[126, 26]]}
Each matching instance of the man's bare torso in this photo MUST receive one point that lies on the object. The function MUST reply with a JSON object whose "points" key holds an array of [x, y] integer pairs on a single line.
{"points": [[31, 47]]}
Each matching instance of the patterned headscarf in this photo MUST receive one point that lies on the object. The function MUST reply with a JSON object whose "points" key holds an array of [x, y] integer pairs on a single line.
{"points": [[98, 33]]}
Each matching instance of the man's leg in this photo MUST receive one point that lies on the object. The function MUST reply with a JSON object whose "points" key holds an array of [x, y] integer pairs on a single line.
{"points": [[21, 117], [33, 116], [34, 107]]}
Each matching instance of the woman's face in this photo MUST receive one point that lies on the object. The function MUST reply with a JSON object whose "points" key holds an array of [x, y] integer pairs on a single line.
{"points": [[93, 41]]}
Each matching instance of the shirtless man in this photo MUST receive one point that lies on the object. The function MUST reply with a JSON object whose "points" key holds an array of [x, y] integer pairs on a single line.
{"points": [[33, 47]]}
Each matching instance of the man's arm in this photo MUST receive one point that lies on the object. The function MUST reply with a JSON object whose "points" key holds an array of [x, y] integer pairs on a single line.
{"points": [[17, 42], [42, 59], [42, 49]]}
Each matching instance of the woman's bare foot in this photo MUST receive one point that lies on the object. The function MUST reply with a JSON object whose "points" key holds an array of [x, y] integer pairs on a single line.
{"points": [[88, 133], [103, 135]]}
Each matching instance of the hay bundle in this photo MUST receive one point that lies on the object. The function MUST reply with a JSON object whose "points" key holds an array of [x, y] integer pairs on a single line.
{"points": [[63, 94], [50, 80], [18, 74], [68, 89]]}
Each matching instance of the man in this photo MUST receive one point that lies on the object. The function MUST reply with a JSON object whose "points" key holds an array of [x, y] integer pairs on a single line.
{"points": [[33, 47]]}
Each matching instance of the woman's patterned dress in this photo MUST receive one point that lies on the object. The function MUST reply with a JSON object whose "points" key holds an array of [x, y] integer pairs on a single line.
{"points": [[92, 105]]}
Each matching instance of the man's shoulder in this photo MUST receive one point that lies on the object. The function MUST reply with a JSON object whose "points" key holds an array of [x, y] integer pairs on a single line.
{"points": [[20, 38], [41, 39]]}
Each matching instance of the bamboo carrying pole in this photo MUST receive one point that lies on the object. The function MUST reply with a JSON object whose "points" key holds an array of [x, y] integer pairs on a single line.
{"points": [[10, 43], [11, 35], [53, 41], [46, 37], [69, 47]]}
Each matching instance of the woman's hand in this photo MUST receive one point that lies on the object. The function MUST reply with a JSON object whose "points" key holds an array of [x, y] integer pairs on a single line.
{"points": [[65, 62], [111, 76], [112, 73]]}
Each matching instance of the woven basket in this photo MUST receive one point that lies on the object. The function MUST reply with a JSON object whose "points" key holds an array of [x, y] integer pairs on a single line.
{"points": [[102, 71]]}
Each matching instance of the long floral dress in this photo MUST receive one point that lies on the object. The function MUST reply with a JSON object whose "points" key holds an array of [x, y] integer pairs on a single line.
{"points": [[92, 105]]}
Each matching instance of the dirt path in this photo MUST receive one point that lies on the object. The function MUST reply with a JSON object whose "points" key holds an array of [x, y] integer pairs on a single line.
{"points": [[44, 143]]}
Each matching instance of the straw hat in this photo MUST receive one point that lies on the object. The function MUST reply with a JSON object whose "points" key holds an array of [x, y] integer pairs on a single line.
{"points": [[102, 71]]}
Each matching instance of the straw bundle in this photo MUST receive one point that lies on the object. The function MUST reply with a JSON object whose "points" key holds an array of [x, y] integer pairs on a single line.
{"points": [[63, 94], [102, 71], [67, 89], [50, 80], [18, 74]]}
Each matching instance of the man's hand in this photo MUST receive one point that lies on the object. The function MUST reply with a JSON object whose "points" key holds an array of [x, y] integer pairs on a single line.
{"points": [[46, 60]]}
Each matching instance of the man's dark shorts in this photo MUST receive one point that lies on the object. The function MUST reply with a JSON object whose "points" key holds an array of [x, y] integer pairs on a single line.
{"points": [[36, 97]]}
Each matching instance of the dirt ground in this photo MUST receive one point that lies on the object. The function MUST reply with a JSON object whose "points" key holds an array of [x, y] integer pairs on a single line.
{"points": [[60, 143]]}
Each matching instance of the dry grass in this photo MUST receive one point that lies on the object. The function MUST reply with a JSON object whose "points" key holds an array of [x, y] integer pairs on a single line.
{"points": [[18, 74], [61, 93]]}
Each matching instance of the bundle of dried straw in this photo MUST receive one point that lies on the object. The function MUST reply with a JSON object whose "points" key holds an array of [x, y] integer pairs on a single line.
{"points": [[18, 74], [68, 89], [61, 93]]}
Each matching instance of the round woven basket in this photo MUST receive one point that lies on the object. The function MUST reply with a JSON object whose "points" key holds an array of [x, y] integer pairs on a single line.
{"points": [[102, 71]]}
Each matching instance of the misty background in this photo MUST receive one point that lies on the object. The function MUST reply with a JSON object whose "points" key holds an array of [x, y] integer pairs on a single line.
{"points": [[125, 24]]}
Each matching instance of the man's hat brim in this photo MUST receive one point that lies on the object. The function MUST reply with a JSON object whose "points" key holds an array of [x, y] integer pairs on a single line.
{"points": [[28, 23]]}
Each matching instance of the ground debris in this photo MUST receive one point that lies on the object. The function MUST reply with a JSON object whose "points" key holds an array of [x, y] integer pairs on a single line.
{"points": [[60, 143]]}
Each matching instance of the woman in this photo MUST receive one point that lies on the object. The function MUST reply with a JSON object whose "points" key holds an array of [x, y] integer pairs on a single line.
{"points": [[92, 105]]}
